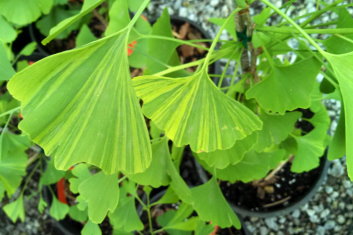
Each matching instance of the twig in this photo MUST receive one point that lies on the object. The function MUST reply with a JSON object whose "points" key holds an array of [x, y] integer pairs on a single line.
{"points": [[277, 202]]}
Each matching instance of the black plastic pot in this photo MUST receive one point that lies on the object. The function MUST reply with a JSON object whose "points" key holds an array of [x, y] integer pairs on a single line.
{"points": [[297, 204]]}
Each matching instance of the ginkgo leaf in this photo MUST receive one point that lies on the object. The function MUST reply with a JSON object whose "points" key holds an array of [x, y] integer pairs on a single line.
{"points": [[254, 166], [15, 210], [13, 160], [79, 106], [311, 146], [58, 210], [6, 69], [7, 32], [87, 7], [101, 192], [343, 67], [191, 110], [337, 147], [91, 228], [286, 87], [220, 159], [156, 175], [275, 129], [23, 12], [210, 205]]}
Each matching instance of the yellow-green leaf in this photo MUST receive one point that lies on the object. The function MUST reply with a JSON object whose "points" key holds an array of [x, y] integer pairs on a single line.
{"points": [[192, 110], [79, 106]]}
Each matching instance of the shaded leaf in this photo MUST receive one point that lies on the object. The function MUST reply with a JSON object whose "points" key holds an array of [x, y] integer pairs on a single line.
{"points": [[156, 175], [213, 207], [193, 111], [58, 210], [254, 166], [312, 146], [13, 161], [125, 216], [85, 36], [276, 128], [286, 87], [337, 147], [80, 107], [101, 192], [42, 204], [7, 32], [230, 26], [6, 69], [87, 7], [77, 214], [15, 210], [23, 12], [220, 159], [51, 175]]}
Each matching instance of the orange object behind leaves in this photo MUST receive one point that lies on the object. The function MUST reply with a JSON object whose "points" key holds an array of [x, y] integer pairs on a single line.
{"points": [[131, 47], [60, 190]]}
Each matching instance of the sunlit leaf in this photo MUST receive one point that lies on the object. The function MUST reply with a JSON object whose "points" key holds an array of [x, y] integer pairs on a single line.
{"points": [[22, 12], [101, 192], [58, 210], [287, 87], [254, 166], [230, 26], [13, 161], [343, 67], [193, 111], [91, 229], [42, 204], [81, 173], [210, 205], [79, 106], [312, 146], [15, 210], [87, 7], [156, 175]]}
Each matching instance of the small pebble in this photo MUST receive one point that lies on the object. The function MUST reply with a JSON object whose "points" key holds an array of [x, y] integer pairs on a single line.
{"points": [[341, 219]]}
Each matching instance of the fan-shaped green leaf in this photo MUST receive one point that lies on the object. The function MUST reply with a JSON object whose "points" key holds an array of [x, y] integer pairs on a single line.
{"points": [[125, 216], [337, 147], [338, 45], [254, 166], [91, 229], [87, 7], [15, 210], [101, 192], [220, 159], [193, 111], [287, 87], [6, 69], [13, 160], [23, 12], [312, 146], [58, 210], [7, 32], [275, 129], [118, 21], [210, 205], [156, 175], [343, 68], [80, 107]]}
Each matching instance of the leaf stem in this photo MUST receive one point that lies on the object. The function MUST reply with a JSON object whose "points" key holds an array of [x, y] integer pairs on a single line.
{"points": [[29, 177], [295, 25], [309, 31], [11, 111]]}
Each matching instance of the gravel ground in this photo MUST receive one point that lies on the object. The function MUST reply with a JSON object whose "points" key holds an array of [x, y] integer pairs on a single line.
{"points": [[329, 212]]}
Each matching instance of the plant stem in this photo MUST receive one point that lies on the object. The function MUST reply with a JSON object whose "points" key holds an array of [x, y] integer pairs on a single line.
{"points": [[11, 111], [186, 42], [295, 25], [216, 39], [318, 31], [29, 177], [148, 209]]}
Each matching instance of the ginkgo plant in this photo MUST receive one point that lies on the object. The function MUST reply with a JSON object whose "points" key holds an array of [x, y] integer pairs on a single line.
{"points": [[113, 138]]}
